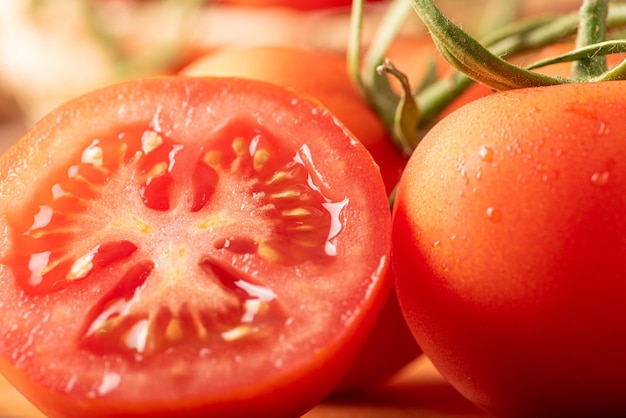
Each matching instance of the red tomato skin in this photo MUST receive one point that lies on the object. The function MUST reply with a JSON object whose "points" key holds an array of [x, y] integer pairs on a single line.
{"points": [[322, 76], [44, 150], [507, 245]]}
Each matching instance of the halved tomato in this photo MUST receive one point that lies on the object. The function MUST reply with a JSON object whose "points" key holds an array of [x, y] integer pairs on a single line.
{"points": [[188, 247]]}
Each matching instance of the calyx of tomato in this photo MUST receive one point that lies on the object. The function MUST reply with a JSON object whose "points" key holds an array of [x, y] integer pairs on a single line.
{"points": [[410, 114]]}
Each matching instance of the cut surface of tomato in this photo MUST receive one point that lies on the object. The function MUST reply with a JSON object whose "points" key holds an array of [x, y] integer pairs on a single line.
{"points": [[198, 246]]}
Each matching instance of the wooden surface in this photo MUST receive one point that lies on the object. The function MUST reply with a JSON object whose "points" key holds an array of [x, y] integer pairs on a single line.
{"points": [[418, 391]]}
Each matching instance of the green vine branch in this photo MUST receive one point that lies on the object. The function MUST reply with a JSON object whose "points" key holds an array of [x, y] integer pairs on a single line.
{"points": [[483, 61], [592, 30]]}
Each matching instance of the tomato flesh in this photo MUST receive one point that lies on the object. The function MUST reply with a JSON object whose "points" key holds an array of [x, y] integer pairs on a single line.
{"points": [[201, 236]]}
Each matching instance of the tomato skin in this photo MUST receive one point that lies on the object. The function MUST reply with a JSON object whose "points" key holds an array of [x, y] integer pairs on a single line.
{"points": [[323, 76], [42, 350], [507, 245]]}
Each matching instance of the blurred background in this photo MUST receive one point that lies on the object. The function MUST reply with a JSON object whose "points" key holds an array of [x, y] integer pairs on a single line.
{"points": [[53, 50]]}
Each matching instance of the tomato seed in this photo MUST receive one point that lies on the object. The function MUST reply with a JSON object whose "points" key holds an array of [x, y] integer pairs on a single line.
{"points": [[150, 141]]}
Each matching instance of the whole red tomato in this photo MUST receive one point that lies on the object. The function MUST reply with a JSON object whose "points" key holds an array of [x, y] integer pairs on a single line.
{"points": [[323, 76], [508, 247], [188, 247]]}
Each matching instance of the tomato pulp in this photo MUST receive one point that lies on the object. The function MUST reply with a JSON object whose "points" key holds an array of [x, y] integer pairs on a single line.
{"points": [[188, 247], [508, 247]]}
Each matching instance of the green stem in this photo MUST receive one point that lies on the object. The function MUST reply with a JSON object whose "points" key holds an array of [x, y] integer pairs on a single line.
{"points": [[432, 98], [381, 95], [592, 30], [407, 114], [499, 14], [387, 31], [399, 114], [616, 73], [354, 46], [469, 56], [601, 49]]}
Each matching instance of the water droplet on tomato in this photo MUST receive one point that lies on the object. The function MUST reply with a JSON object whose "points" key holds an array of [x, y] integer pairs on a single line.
{"points": [[486, 154], [494, 214], [600, 178], [464, 176]]}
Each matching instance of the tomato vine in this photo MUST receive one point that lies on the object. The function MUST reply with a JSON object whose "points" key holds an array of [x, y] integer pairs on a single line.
{"points": [[410, 114]]}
